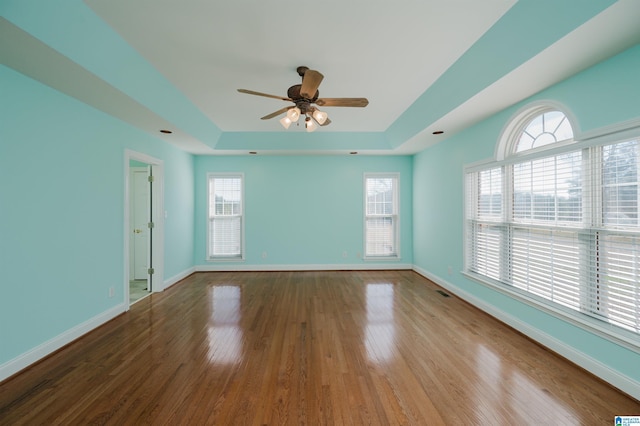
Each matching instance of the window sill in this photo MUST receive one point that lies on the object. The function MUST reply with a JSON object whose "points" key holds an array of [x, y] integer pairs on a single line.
{"points": [[381, 258], [225, 259], [615, 334]]}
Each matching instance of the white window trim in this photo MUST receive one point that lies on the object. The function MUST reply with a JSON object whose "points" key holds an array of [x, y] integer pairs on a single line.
{"points": [[396, 216], [210, 257], [610, 134]]}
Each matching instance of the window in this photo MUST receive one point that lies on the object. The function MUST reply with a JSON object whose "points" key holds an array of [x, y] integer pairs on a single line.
{"points": [[556, 223], [546, 128], [226, 220], [381, 216], [485, 221]]}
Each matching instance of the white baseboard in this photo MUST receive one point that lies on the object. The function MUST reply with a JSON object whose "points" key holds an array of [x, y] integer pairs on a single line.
{"points": [[24, 360], [178, 277], [606, 373], [309, 267]]}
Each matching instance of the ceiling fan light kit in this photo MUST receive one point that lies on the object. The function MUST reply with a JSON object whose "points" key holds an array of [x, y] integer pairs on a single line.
{"points": [[320, 116], [286, 122], [293, 114], [309, 124], [303, 96]]}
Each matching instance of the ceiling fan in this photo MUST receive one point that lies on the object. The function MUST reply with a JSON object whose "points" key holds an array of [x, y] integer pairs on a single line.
{"points": [[304, 96]]}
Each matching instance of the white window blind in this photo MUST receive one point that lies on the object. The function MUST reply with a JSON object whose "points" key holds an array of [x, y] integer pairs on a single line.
{"points": [[546, 263], [617, 294], [548, 190], [381, 215], [487, 247], [225, 216], [563, 229], [490, 194], [616, 248], [485, 221], [620, 184]]}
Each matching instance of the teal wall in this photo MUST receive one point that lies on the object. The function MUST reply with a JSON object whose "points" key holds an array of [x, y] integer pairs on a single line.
{"points": [[303, 210], [527, 28], [62, 183], [603, 95], [75, 31], [62, 211]]}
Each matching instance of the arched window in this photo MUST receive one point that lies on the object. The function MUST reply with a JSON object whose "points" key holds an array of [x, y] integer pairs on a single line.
{"points": [[556, 222], [545, 129]]}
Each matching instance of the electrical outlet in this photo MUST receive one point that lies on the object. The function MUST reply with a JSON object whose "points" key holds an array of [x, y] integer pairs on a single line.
{"points": [[344, 254], [450, 270], [111, 292], [264, 254]]}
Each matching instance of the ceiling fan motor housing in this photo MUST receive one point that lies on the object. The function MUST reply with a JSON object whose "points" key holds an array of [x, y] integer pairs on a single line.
{"points": [[303, 103]]}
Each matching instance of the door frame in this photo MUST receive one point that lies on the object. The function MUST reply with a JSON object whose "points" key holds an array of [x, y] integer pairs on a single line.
{"points": [[158, 214]]}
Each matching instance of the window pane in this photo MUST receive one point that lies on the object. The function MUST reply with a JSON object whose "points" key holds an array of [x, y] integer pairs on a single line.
{"points": [[380, 235], [535, 127], [226, 195], [226, 236], [618, 280], [564, 131], [380, 196], [486, 250], [547, 263], [525, 143], [490, 194], [551, 121], [620, 184], [548, 190]]}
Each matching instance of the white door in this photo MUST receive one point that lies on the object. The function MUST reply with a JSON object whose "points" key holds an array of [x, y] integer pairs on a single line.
{"points": [[140, 219]]}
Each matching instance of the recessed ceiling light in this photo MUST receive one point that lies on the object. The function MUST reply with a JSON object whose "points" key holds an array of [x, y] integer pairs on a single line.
{"points": [[168, 132], [438, 132]]}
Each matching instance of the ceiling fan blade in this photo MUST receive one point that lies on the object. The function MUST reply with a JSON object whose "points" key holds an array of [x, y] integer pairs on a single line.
{"points": [[277, 113], [266, 95], [343, 102], [310, 83]]}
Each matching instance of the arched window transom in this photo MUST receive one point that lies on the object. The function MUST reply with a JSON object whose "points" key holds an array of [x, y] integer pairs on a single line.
{"points": [[545, 129]]}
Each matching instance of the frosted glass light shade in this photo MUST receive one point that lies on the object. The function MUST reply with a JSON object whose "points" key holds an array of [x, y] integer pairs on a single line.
{"points": [[310, 125], [293, 114], [320, 116], [286, 122]]}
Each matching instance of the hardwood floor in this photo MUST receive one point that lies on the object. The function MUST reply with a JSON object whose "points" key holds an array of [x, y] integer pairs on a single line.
{"points": [[278, 348]]}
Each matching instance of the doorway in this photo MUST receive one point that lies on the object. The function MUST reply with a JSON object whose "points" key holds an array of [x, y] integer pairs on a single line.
{"points": [[144, 226], [141, 233]]}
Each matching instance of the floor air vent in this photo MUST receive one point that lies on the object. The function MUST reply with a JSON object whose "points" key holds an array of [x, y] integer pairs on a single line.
{"points": [[442, 293]]}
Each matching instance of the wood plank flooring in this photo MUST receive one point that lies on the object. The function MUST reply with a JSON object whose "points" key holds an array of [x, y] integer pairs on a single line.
{"points": [[276, 348]]}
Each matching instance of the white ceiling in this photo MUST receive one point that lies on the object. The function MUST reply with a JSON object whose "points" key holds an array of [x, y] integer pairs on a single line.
{"points": [[392, 53], [387, 51]]}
